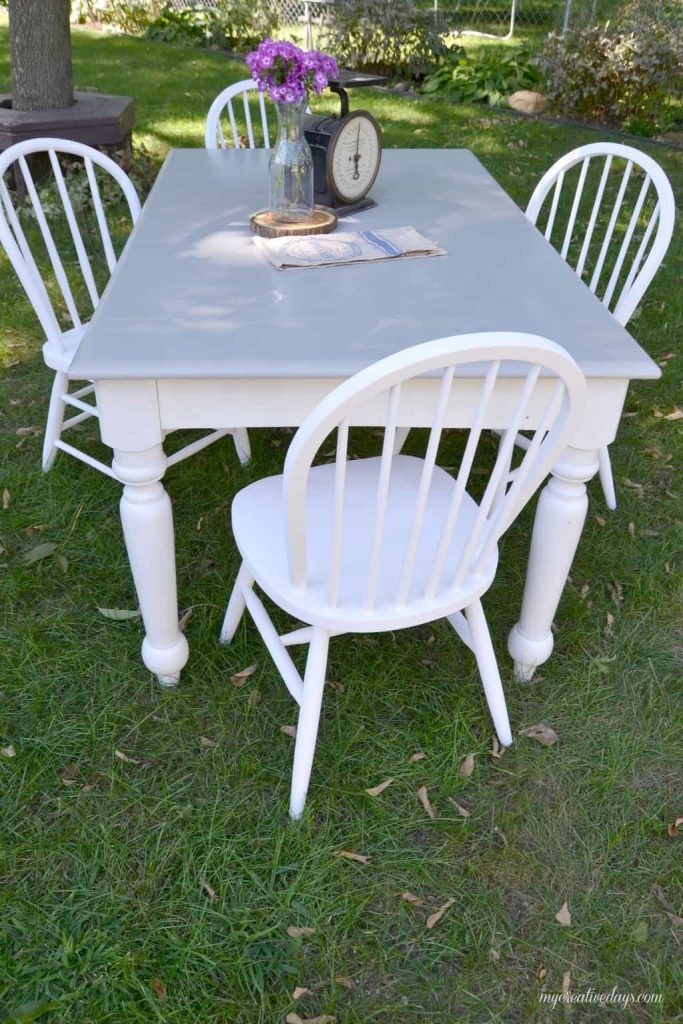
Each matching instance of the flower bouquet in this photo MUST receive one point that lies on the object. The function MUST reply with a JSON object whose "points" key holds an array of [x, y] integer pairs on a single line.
{"points": [[288, 75]]}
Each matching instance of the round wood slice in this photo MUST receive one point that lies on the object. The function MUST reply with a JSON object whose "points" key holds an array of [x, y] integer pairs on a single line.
{"points": [[320, 222]]}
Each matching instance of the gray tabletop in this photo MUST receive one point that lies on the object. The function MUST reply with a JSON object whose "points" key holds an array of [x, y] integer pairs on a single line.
{"points": [[193, 298]]}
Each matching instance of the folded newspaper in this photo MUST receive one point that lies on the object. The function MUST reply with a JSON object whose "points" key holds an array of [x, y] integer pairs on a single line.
{"points": [[340, 247]]}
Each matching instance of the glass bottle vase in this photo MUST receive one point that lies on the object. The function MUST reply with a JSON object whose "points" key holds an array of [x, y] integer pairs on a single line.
{"points": [[291, 167]]}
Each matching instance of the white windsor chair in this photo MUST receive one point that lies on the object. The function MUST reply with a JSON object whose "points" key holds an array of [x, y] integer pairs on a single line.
{"points": [[378, 544], [214, 137], [646, 215], [61, 345]]}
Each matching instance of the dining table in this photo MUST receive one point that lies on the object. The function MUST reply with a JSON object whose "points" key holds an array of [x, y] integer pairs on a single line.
{"points": [[196, 329]]}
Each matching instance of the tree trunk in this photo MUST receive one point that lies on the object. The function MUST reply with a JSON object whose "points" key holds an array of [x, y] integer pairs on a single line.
{"points": [[40, 47]]}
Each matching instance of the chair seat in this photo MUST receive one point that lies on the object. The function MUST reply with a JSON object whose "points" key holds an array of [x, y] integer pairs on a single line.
{"points": [[60, 359], [259, 528]]}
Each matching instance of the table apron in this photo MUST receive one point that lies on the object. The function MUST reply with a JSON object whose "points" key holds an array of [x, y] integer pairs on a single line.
{"points": [[136, 414]]}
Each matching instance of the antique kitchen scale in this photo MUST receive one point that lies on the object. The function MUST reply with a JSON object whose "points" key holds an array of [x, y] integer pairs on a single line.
{"points": [[347, 149]]}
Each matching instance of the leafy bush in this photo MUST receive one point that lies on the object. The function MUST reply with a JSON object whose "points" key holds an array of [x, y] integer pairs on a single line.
{"points": [[131, 16], [231, 25], [616, 76], [487, 77], [387, 37]]}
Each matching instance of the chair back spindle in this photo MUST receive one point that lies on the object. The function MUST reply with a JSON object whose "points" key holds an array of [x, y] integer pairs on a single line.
{"points": [[215, 136]]}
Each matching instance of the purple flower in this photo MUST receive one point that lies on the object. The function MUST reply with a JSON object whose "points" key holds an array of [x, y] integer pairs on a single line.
{"points": [[287, 73]]}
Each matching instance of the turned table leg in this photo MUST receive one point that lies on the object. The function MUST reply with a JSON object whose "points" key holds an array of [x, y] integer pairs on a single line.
{"points": [[147, 522], [560, 515]]}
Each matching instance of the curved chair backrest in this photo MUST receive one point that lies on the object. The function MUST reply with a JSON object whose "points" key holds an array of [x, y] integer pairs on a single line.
{"points": [[555, 403], [13, 237], [628, 230], [214, 137]]}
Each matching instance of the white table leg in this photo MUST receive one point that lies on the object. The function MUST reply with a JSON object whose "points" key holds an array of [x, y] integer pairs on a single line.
{"points": [[560, 515], [147, 522]]}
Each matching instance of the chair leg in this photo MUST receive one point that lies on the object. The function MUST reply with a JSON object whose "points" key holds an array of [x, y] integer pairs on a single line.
{"points": [[242, 446], [55, 418], [236, 605], [309, 717], [606, 479], [488, 670]]}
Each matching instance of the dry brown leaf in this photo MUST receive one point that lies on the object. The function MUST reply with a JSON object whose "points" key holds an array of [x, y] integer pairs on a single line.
{"points": [[496, 750], [563, 916], [185, 618], [542, 973], [566, 982], [677, 414], [300, 992], [462, 811], [376, 790], [648, 533], [436, 917], [159, 989], [68, 776], [124, 757], [673, 828], [424, 800], [607, 631], [208, 744], [8, 751], [240, 678], [209, 890], [339, 687], [616, 591], [417, 756], [93, 779], [289, 730], [299, 933], [495, 955], [350, 855], [294, 1018], [6, 498], [543, 733], [410, 898], [600, 521], [467, 767], [345, 982]]}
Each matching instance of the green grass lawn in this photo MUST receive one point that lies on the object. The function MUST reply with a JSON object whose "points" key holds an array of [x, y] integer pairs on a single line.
{"points": [[162, 888]]}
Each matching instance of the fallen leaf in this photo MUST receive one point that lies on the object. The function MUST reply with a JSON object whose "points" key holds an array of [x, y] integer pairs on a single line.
{"points": [[424, 800], [208, 744], [289, 730], [300, 992], [632, 529], [436, 917], [677, 414], [649, 533], [600, 521], [345, 982], [495, 955], [294, 1018], [462, 811], [185, 618], [497, 750], [210, 892], [240, 678], [119, 614], [616, 591], [673, 827], [159, 990], [350, 855], [39, 552], [299, 933], [124, 757], [93, 780], [6, 498], [8, 751], [410, 898], [376, 790], [607, 631], [467, 767], [663, 360], [543, 733], [563, 916], [566, 982], [654, 453], [28, 431], [542, 973], [418, 756], [68, 776], [339, 687]]}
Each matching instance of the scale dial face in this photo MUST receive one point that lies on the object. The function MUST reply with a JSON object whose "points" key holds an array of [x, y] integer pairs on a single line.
{"points": [[354, 156]]}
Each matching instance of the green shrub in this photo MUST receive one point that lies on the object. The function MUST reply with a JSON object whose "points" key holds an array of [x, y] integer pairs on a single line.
{"points": [[192, 26], [487, 77], [231, 25], [613, 75], [131, 16], [387, 37]]}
